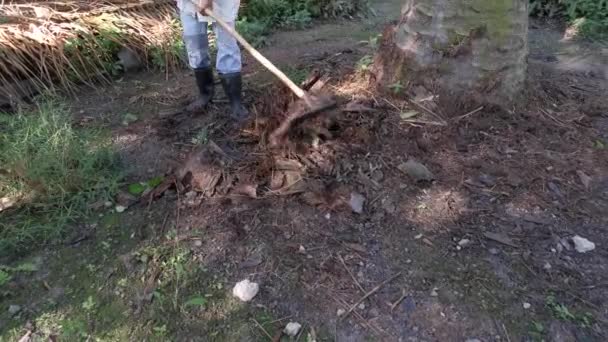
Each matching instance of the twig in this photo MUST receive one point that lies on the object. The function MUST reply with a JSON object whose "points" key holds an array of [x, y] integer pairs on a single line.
{"points": [[262, 328], [351, 274], [301, 332], [506, 332], [398, 301], [374, 290], [458, 118], [280, 319], [437, 116]]}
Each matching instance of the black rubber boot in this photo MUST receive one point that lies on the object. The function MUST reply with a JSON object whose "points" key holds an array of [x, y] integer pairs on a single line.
{"points": [[204, 82], [233, 84]]}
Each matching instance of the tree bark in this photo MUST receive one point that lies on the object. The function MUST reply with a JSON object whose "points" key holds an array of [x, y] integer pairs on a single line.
{"points": [[463, 51]]}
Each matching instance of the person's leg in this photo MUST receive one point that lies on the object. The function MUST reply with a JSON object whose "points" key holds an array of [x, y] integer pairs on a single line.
{"points": [[228, 66], [197, 47]]}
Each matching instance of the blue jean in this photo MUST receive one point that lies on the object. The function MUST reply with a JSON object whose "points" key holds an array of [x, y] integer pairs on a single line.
{"points": [[197, 46]]}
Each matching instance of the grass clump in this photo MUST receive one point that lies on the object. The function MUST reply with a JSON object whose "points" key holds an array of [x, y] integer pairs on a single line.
{"points": [[259, 17], [50, 174], [588, 17]]}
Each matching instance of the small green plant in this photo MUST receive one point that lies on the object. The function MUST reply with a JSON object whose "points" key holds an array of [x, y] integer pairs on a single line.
{"points": [[53, 172], [4, 278], [364, 64], [537, 331], [589, 17], [396, 87], [202, 137], [298, 75], [89, 304], [196, 301], [562, 312], [599, 144]]}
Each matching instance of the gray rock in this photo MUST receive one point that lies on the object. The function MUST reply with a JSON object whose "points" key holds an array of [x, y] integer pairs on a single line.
{"points": [[14, 309], [129, 59], [416, 170], [356, 202]]}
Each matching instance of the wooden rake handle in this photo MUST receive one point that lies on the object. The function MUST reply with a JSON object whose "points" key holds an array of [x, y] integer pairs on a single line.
{"points": [[257, 55]]}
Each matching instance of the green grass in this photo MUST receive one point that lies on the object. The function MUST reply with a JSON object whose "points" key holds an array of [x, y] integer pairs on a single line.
{"points": [[53, 172]]}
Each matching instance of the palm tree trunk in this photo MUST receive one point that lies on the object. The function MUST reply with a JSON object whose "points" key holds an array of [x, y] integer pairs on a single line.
{"points": [[468, 51]]}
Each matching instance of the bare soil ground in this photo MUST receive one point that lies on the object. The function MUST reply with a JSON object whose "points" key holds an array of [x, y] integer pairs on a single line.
{"points": [[482, 252]]}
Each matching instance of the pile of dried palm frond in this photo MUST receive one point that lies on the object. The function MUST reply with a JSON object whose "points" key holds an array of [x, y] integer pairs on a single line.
{"points": [[48, 44]]}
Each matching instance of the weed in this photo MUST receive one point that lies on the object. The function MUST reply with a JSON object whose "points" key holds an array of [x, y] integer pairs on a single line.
{"points": [[537, 331], [297, 75], [4, 277], [202, 137], [53, 172], [599, 144], [589, 17], [562, 312], [364, 64], [396, 87]]}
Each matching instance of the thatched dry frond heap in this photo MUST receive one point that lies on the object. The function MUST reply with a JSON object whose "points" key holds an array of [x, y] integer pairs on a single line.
{"points": [[47, 44]]}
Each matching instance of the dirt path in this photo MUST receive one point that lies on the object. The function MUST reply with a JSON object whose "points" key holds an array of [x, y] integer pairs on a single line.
{"points": [[482, 253]]}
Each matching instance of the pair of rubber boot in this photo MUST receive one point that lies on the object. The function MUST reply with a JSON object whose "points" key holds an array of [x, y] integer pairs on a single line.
{"points": [[232, 84]]}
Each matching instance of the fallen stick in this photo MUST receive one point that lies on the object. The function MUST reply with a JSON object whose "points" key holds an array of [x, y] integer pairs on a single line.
{"points": [[351, 274], [367, 295], [262, 328], [398, 301]]}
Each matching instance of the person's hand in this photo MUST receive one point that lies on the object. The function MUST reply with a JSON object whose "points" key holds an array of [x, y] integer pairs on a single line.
{"points": [[205, 4]]}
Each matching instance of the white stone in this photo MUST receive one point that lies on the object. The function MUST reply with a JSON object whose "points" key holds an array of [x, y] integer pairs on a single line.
{"points": [[527, 306], [120, 209], [13, 309], [434, 292], [245, 290], [582, 245], [340, 312], [356, 202], [292, 329], [361, 306], [464, 242], [418, 237]]}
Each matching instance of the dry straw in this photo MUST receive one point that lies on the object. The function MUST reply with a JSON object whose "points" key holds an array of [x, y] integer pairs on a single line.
{"points": [[45, 45]]}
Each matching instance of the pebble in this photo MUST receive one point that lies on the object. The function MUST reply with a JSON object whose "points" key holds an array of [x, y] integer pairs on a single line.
{"points": [[416, 170], [464, 243], [547, 266], [356, 202], [340, 312], [108, 204], [292, 329], [527, 306], [120, 209], [493, 251], [418, 237], [245, 290], [14, 309], [361, 306], [434, 292], [582, 245], [198, 243]]}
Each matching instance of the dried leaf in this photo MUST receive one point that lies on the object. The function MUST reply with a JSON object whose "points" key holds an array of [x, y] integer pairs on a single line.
{"points": [[584, 178], [246, 189], [409, 114], [416, 170], [505, 240]]}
